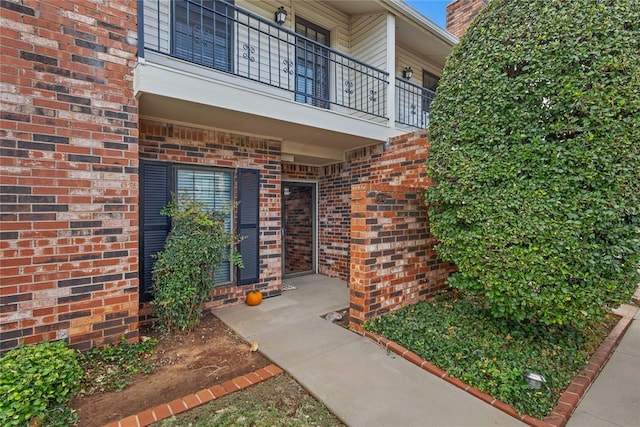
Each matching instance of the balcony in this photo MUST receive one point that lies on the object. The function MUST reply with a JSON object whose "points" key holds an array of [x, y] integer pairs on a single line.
{"points": [[213, 63], [413, 104]]}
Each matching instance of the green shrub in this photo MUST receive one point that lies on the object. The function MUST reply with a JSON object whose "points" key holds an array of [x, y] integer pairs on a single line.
{"points": [[184, 270], [36, 381], [535, 134]]}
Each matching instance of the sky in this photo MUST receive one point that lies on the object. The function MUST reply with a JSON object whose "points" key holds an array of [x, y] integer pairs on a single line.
{"points": [[432, 9]]}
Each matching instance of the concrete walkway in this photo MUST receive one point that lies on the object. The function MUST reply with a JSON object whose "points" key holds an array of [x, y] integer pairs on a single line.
{"points": [[614, 398], [355, 378]]}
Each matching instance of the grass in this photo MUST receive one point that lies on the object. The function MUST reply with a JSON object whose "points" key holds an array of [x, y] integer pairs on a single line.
{"points": [[458, 336], [279, 401]]}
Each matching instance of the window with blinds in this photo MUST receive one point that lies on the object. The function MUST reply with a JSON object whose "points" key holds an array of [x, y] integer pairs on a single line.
{"points": [[312, 64], [213, 187], [203, 32]]}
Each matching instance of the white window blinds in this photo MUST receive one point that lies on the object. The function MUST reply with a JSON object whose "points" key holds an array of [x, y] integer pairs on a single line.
{"points": [[215, 189]]}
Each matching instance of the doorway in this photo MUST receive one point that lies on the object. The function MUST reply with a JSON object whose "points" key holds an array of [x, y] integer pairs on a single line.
{"points": [[298, 228]]}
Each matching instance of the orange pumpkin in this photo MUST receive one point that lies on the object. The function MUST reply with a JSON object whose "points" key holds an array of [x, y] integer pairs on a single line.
{"points": [[254, 298]]}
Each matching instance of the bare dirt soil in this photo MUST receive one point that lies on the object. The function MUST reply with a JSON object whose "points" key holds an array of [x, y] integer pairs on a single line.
{"points": [[184, 364]]}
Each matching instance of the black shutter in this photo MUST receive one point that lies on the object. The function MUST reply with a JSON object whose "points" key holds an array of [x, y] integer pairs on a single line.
{"points": [[249, 225], [155, 180]]}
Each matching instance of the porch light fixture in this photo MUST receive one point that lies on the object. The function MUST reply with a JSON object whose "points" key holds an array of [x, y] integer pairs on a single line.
{"points": [[407, 73], [281, 15], [534, 380]]}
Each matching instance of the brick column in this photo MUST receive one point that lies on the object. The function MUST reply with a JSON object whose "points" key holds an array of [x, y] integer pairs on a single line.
{"points": [[393, 260]]}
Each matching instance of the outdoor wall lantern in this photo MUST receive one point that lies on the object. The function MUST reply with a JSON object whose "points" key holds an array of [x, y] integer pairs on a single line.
{"points": [[281, 15], [534, 380], [407, 73]]}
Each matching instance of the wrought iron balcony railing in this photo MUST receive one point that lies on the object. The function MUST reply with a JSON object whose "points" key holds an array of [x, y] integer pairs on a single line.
{"points": [[413, 104], [221, 36]]}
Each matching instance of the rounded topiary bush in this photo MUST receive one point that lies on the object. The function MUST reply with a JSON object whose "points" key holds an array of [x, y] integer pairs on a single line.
{"points": [[535, 134]]}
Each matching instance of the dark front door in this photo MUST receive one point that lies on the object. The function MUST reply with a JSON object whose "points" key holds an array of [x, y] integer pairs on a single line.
{"points": [[298, 207], [312, 64]]}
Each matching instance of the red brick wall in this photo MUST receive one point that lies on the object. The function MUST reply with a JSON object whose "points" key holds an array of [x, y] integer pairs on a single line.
{"points": [[461, 13], [333, 220], [393, 260], [382, 248], [68, 172], [293, 172], [187, 145], [401, 163]]}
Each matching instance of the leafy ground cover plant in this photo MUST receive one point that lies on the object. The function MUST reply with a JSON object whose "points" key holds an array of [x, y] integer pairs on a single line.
{"points": [[183, 274], [458, 336], [111, 368], [36, 382], [534, 148]]}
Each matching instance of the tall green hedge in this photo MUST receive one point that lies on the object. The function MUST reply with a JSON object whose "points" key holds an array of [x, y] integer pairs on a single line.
{"points": [[535, 134]]}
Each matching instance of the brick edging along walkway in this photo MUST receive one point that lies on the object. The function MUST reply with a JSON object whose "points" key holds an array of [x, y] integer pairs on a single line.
{"points": [[567, 401], [177, 406]]}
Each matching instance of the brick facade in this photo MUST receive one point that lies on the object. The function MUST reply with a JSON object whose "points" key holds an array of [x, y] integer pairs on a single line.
{"points": [[333, 220], [69, 172], [69, 179], [461, 13], [400, 163], [384, 251], [166, 142]]}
